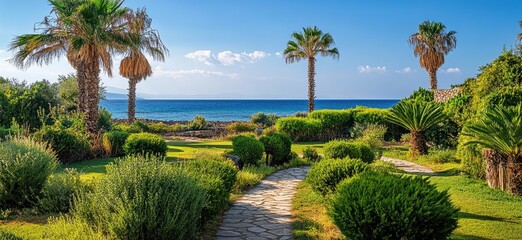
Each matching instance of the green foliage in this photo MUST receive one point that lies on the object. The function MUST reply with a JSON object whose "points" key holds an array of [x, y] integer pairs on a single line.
{"points": [[225, 171], [104, 119], [300, 129], [264, 120], [340, 149], [241, 127], [199, 123], [69, 144], [444, 135], [443, 156], [68, 227], [248, 149], [160, 127], [335, 123], [278, 146], [416, 116], [145, 143], [364, 116], [138, 126], [250, 176], [310, 154], [59, 191], [122, 127], [25, 166], [143, 198], [5, 133], [8, 236], [473, 161], [373, 136], [367, 153], [377, 205], [68, 92], [421, 95], [114, 141], [326, 174]]}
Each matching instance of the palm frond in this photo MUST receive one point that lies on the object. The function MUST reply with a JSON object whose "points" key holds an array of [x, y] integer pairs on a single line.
{"points": [[416, 116]]}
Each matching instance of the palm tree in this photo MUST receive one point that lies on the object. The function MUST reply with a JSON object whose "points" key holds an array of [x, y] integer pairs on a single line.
{"points": [[520, 34], [417, 117], [430, 44], [88, 32], [500, 130], [307, 44], [135, 66]]}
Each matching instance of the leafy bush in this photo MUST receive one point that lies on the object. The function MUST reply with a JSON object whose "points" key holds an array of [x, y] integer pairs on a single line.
{"points": [[5, 133], [113, 142], [278, 146], [241, 127], [8, 236], [422, 94], [59, 191], [104, 120], [248, 149], [367, 153], [310, 154], [250, 176], [377, 205], [373, 135], [138, 126], [25, 166], [122, 127], [300, 129], [366, 116], [340, 149], [223, 170], [442, 156], [145, 143], [142, 198], [199, 123], [158, 127], [69, 144], [264, 120], [444, 135], [326, 174], [335, 123], [67, 227]]}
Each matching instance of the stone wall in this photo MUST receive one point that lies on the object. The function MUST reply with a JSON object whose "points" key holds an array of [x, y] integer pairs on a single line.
{"points": [[443, 95]]}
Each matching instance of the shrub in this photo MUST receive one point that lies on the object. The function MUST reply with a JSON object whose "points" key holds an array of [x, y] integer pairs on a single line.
{"points": [[209, 154], [278, 146], [25, 166], [373, 135], [59, 191], [138, 126], [377, 205], [69, 144], [300, 129], [158, 127], [310, 154], [335, 123], [223, 170], [241, 127], [326, 174], [113, 142], [123, 127], [442, 156], [143, 198], [250, 176], [367, 154], [444, 135], [341, 149], [104, 120], [472, 158], [248, 149], [67, 227], [8, 236], [145, 143], [199, 123], [5, 133], [264, 120]]}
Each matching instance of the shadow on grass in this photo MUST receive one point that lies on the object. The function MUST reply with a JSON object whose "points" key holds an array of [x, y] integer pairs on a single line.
{"points": [[483, 217], [467, 237], [90, 166]]}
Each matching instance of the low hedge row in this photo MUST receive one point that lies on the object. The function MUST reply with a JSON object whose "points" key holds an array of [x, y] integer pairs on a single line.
{"points": [[340, 149]]}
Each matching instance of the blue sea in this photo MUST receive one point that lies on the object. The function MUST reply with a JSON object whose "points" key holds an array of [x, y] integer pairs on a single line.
{"points": [[228, 110]]}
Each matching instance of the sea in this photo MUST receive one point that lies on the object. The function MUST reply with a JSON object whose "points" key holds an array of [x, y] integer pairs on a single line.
{"points": [[230, 110]]}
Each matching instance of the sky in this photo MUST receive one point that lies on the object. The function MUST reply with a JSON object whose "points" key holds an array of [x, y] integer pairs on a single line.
{"points": [[232, 48]]}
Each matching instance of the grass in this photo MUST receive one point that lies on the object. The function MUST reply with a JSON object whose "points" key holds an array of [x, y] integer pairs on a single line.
{"points": [[401, 152]]}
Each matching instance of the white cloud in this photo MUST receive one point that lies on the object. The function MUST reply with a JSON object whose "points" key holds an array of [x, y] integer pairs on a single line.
{"points": [[226, 58], [204, 56], [406, 70], [193, 73], [452, 70], [278, 54], [368, 69]]}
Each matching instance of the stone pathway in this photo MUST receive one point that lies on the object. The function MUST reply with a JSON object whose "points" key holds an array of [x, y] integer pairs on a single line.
{"points": [[264, 212], [409, 167]]}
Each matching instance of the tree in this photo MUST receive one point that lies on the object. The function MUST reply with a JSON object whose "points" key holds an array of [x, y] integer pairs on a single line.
{"points": [[307, 45], [88, 32], [68, 91], [499, 130], [417, 117], [430, 44], [520, 34], [135, 66]]}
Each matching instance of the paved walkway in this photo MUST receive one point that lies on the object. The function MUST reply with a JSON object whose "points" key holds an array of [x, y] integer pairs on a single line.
{"points": [[409, 167], [264, 212]]}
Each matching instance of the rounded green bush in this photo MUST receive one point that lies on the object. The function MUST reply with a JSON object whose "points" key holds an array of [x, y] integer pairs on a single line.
{"points": [[25, 166], [69, 144], [376, 205], [341, 149], [226, 171], [248, 149], [367, 153], [143, 198], [300, 129], [278, 146], [336, 123], [113, 142], [326, 174], [59, 191], [310, 154], [241, 127], [144, 144], [264, 120]]}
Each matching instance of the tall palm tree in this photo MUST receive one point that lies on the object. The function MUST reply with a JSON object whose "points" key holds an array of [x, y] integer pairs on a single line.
{"points": [[307, 45], [88, 32], [431, 43], [500, 129], [417, 117], [520, 34], [135, 66]]}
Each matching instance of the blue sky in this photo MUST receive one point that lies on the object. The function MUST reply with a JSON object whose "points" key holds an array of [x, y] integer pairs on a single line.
{"points": [[231, 49]]}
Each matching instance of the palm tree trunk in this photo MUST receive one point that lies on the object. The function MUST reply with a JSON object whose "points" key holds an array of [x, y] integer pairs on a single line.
{"points": [[492, 167], [132, 100], [311, 84], [91, 95], [81, 73], [419, 145], [433, 79], [514, 175]]}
